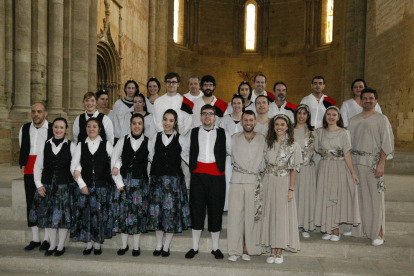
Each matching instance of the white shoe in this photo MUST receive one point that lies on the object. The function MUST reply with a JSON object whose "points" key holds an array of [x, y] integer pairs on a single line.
{"points": [[279, 260], [233, 258], [336, 238], [246, 257], [271, 260], [347, 233], [377, 242], [305, 235], [326, 236]]}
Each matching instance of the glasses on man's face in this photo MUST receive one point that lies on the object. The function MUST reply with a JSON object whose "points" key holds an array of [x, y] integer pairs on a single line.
{"points": [[208, 114], [171, 82]]}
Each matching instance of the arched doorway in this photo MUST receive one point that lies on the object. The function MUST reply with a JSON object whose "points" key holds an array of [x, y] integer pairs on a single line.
{"points": [[108, 71]]}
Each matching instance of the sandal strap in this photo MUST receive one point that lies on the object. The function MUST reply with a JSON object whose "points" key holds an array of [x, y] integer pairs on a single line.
{"points": [[278, 255]]}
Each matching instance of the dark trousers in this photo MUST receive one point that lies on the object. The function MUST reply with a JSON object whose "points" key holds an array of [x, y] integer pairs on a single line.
{"points": [[207, 191], [30, 189]]}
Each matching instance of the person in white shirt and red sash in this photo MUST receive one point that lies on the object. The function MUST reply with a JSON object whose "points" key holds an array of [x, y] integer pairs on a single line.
{"points": [[280, 105], [206, 149], [32, 137]]}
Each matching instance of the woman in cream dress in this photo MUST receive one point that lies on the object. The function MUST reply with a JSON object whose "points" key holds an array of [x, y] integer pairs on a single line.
{"points": [[279, 223], [305, 184], [337, 191]]}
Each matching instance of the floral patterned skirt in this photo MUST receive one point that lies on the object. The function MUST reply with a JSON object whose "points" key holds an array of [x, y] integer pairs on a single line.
{"points": [[131, 206], [169, 210], [54, 210], [92, 214]]}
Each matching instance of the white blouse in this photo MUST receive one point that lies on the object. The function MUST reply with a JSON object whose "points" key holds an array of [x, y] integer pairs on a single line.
{"points": [[148, 123]]}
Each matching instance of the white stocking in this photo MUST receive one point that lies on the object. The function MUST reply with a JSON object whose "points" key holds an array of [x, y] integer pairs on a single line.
{"points": [[62, 237], [46, 236], [52, 234], [167, 242], [136, 241], [196, 238], [215, 237], [124, 238], [35, 233], [97, 245], [159, 235], [89, 245]]}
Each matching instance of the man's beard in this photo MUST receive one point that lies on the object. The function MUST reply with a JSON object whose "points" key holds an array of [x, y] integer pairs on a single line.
{"points": [[208, 92], [248, 131], [281, 98]]}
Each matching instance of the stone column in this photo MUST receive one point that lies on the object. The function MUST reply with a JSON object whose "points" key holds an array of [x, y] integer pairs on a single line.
{"points": [[22, 54], [93, 48], [79, 56], [39, 50], [55, 58]]}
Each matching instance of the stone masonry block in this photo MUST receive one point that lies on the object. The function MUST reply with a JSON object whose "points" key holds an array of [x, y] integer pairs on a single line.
{"points": [[405, 137], [408, 122], [410, 115], [400, 116], [405, 130]]}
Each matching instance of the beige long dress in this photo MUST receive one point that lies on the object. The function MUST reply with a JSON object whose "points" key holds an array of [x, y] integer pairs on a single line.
{"points": [[370, 136], [279, 223], [336, 193], [305, 183]]}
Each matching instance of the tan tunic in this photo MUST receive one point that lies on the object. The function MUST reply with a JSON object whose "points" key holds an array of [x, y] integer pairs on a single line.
{"points": [[261, 128], [305, 183], [369, 136], [248, 156], [279, 224], [336, 193]]}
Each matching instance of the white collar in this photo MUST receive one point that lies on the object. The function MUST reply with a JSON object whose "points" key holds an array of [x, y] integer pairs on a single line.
{"points": [[64, 140], [97, 139], [139, 139], [95, 114]]}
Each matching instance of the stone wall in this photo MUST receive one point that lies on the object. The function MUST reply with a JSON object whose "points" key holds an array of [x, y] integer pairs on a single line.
{"points": [[390, 63], [287, 58]]}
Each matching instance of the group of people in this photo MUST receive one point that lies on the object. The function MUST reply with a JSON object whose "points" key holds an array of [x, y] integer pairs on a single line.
{"points": [[277, 168]]}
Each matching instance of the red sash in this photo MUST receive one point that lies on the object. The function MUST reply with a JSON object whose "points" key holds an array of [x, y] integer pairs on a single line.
{"points": [[28, 169], [207, 168]]}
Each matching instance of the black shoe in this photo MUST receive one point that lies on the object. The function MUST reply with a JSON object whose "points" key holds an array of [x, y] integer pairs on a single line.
{"points": [[32, 245], [136, 253], [123, 251], [97, 251], [157, 253], [59, 253], [50, 252], [190, 254], [165, 254], [217, 254], [87, 251], [45, 246]]}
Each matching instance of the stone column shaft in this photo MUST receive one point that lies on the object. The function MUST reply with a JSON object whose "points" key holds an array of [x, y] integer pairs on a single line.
{"points": [[22, 55], [55, 56], [93, 23]]}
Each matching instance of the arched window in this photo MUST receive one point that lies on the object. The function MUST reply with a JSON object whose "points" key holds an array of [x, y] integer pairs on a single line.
{"points": [[329, 6], [178, 22], [250, 26]]}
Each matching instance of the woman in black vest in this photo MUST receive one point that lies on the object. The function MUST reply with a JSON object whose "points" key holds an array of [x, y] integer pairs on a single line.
{"points": [[129, 168], [169, 211], [92, 207], [52, 202], [91, 111]]}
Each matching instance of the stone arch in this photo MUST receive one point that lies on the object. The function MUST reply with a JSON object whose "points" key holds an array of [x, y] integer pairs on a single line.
{"points": [[108, 67]]}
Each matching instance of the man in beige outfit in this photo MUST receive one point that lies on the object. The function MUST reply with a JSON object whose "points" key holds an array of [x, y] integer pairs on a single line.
{"points": [[248, 161]]}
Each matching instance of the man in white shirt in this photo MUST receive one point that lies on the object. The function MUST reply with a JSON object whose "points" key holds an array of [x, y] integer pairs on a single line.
{"points": [[205, 152], [259, 88], [32, 137], [173, 100], [208, 85], [194, 87], [280, 105], [317, 101]]}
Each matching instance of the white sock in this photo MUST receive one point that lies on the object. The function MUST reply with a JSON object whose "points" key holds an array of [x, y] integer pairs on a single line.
{"points": [[159, 235], [196, 238], [97, 245], [124, 238], [35, 233], [52, 233], [62, 237], [216, 237], [46, 236], [89, 245], [168, 239], [136, 241]]}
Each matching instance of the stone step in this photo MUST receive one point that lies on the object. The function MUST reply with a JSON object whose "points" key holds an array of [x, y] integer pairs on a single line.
{"points": [[14, 260], [403, 161], [397, 247]]}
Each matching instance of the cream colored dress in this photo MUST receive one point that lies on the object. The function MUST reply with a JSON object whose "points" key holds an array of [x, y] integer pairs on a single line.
{"points": [[279, 223], [370, 136], [305, 183], [337, 193]]}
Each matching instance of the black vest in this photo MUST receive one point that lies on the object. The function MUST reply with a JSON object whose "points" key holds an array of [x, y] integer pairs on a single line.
{"points": [[167, 159], [95, 167], [58, 165], [219, 149], [82, 127], [25, 146], [135, 162]]}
